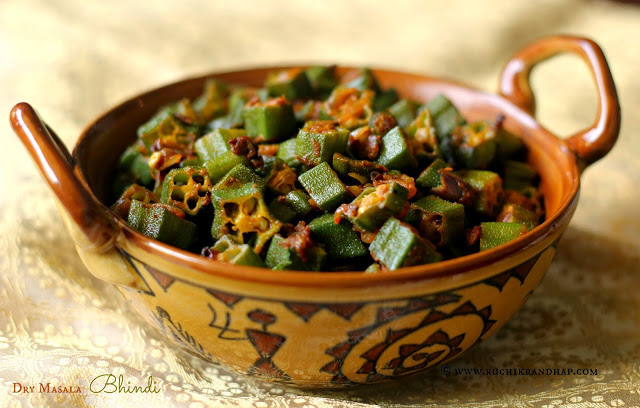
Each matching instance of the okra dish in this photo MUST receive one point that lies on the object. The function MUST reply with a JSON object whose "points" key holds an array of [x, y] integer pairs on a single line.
{"points": [[323, 172]]}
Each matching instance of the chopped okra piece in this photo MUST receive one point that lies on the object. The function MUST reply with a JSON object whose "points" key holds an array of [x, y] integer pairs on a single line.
{"points": [[299, 201], [375, 205], [216, 143], [474, 144], [281, 179], [422, 137], [269, 120], [133, 162], [169, 128], [287, 152], [441, 221], [382, 122], [498, 233], [430, 178], [508, 144], [279, 208], [160, 222], [187, 188], [227, 250], [395, 153], [345, 166], [213, 102], [446, 116], [282, 255], [515, 213], [383, 100], [240, 210], [488, 186], [350, 107], [324, 186], [398, 244], [317, 141], [373, 268], [518, 175], [134, 192], [404, 111], [222, 164], [322, 78], [238, 99], [290, 83], [363, 81], [339, 240]]}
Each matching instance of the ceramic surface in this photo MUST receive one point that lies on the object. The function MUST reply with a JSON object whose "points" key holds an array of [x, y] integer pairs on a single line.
{"points": [[326, 329]]}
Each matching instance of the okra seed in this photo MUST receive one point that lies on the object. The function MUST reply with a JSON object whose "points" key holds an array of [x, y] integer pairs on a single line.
{"points": [[249, 206]]}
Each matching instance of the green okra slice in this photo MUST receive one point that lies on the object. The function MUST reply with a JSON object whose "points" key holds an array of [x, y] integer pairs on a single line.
{"points": [[299, 202], [324, 186], [373, 268], [287, 152], [270, 120], [395, 154], [281, 178], [518, 176], [281, 257], [213, 102], [404, 111], [158, 221], [430, 178], [350, 107], [345, 166], [238, 254], [279, 208], [398, 244], [134, 192], [219, 166], [507, 143], [422, 136], [376, 204], [474, 144], [291, 83], [237, 101], [384, 99], [240, 209], [440, 221], [215, 143], [446, 116], [322, 79], [188, 188], [364, 80], [166, 125], [498, 233], [339, 240], [488, 186], [136, 165], [515, 213], [318, 140]]}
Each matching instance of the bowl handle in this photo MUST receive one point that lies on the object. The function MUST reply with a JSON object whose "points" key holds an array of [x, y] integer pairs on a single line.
{"points": [[594, 142], [56, 165]]}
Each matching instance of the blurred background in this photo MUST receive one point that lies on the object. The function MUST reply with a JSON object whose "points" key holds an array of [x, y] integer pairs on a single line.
{"points": [[73, 59]]}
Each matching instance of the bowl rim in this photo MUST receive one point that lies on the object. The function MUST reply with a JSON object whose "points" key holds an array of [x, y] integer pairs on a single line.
{"points": [[449, 268]]}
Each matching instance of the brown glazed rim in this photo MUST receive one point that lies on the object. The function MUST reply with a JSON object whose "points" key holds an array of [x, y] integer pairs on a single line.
{"points": [[102, 227]]}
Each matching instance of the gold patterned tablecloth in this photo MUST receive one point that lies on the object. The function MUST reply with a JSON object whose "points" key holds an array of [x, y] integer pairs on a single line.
{"points": [[72, 59]]}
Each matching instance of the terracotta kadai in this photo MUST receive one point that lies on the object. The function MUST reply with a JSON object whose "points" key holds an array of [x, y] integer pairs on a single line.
{"points": [[331, 329]]}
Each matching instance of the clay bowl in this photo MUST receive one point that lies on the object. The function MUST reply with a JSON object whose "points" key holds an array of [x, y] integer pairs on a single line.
{"points": [[329, 329]]}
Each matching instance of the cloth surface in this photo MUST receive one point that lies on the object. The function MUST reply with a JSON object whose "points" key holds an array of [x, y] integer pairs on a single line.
{"points": [[73, 59]]}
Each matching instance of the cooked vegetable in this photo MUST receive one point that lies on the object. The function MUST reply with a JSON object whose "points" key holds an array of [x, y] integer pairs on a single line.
{"points": [[320, 171]]}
